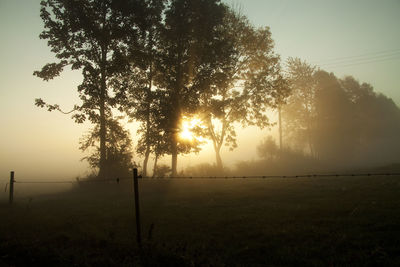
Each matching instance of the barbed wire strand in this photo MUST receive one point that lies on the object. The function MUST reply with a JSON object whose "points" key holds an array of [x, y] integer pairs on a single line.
{"points": [[117, 180], [277, 176]]}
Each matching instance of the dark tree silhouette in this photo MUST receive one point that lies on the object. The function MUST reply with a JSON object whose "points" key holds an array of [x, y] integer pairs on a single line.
{"points": [[334, 132], [189, 47], [268, 149], [318, 115], [141, 103], [376, 122], [118, 148], [249, 83], [96, 37]]}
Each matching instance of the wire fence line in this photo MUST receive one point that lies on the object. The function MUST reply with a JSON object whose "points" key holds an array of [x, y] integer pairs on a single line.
{"points": [[117, 180], [135, 177]]}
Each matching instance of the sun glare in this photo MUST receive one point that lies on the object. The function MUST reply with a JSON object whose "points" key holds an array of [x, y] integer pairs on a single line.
{"points": [[186, 133], [188, 124]]}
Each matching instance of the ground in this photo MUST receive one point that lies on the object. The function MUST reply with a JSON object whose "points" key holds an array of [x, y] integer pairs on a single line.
{"points": [[338, 221]]}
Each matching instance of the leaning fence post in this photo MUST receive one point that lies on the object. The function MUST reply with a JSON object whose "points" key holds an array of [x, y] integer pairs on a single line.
{"points": [[137, 211], [11, 198]]}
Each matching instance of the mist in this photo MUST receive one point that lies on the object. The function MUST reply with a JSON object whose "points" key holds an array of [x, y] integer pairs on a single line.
{"points": [[199, 133], [330, 125]]}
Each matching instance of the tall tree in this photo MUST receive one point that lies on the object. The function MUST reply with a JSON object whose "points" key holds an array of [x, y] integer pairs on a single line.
{"points": [[334, 134], [93, 36], [376, 122], [141, 99], [190, 47], [249, 83], [299, 112]]}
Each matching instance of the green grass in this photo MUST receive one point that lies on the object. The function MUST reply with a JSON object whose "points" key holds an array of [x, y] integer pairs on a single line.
{"points": [[349, 221]]}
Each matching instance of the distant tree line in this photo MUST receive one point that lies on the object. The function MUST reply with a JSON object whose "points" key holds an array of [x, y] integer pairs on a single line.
{"points": [[339, 120], [157, 62], [330, 123]]}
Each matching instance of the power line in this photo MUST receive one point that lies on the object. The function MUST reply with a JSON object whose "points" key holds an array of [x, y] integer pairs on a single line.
{"points": [[361, 62], [366, 55], [362, 59]]}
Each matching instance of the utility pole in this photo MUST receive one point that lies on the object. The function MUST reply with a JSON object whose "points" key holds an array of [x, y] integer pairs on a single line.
{"points": [[280, 128]]}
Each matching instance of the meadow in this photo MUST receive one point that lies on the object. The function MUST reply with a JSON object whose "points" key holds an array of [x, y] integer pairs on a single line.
{"points": [[337, 221]]}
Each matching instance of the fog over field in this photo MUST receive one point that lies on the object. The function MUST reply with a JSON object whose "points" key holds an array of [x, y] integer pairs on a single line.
{"points": [[343, 114], [199, 133]]}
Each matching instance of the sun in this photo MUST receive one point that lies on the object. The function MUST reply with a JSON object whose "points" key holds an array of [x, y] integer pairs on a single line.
{"points": [[185, 132], [187, 125]]}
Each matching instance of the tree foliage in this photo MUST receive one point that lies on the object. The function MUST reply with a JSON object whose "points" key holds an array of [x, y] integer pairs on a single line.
{"points": [[299, 111], [185, 50], [96, 37], [141, 101], [249, 83], [119, 152], [159, 61]]}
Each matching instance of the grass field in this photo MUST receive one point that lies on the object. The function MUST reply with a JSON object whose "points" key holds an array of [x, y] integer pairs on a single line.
{"points": [[348, 221]]}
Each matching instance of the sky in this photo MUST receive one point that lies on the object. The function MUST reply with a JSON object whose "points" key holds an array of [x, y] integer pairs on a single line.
{"points": [[359, 38]]}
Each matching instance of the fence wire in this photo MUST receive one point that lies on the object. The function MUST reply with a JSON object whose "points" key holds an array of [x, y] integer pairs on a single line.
{"points": [[117, 180]]}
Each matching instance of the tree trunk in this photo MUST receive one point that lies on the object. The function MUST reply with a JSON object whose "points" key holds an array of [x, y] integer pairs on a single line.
{"points": [[280, 129], [146, 160], [103, 131], [177, 112], [174, 142], [103, 155], [174, 156], [148, 100], [155, 165], [217, 143], [310, 143], [147, 152], [218, 158]]}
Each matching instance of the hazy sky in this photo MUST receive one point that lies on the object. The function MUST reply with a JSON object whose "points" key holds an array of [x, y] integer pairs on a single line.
{"points": [[357, 37]]}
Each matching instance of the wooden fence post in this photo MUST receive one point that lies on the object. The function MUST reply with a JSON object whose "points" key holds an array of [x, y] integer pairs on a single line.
{"points": [[11, 198], [137, 211]]}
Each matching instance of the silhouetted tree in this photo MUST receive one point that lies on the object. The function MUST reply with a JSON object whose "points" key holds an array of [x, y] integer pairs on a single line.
{"points": [[334, 129], [318, 115], [140, 102], [376, 121], [341, 121], [298, 114], [161, 171], [118, 148], [250, 82], [189, 50], [96, 37], [268, 149]]}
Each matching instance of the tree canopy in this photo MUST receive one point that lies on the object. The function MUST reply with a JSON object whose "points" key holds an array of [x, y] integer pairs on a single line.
{"points": [[162, 62], [95, 37], [250, 82]]}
